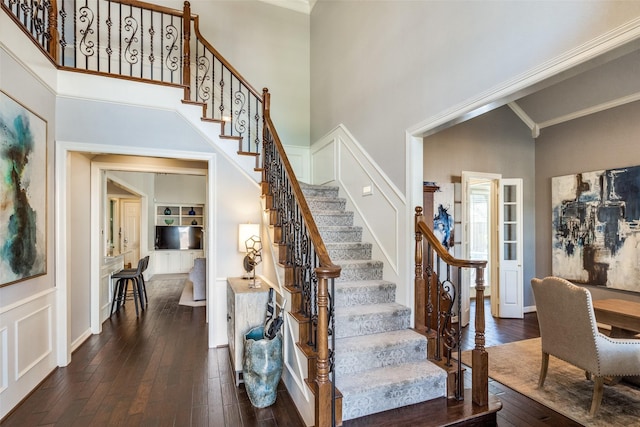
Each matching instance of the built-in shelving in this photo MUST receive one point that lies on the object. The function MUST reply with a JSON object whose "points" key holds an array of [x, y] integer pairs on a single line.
{"points": [[179, 215]]}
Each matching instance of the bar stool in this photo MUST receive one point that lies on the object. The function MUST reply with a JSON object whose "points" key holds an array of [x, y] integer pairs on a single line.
{"points": [[122, 286], [142, 281]]}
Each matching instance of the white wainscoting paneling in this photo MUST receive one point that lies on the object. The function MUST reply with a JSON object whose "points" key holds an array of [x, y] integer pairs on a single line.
{"points": [[33, 339], [299, 159], [28, 326], [4, 360], [378, 206]]}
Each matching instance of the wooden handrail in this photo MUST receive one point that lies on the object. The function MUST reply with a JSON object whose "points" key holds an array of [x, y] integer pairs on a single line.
{"points": [[222, 59], [479, 356], [325, 416], [440, 250], [329, 270], [151, 6]]}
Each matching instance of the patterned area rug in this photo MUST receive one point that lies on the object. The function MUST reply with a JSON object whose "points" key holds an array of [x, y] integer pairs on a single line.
{"points": [[187, 296], [566, 389]]}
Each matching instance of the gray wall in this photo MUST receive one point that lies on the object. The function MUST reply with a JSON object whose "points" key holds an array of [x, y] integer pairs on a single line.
{"points": [[269, 46], [600, 141], [496, 142], [383, 67]]}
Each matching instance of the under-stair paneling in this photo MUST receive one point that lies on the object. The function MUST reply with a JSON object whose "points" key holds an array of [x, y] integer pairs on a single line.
{"points": [[27, 343], [295, 362], [379, 207]]}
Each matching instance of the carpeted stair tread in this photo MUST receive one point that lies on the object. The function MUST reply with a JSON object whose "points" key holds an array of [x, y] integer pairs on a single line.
{"points": [[380, 363], [333, 218], [371, 319], [364, 292], [353, 270], [310, 190], [358, 263], [381, 389], [348, 250], [361, 353], [341, 234]]}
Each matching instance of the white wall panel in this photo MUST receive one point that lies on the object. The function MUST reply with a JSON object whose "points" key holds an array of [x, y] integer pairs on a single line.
{"points": [[381, 212], [33, 339], [26, 347], [323, 162], [4, 360]]}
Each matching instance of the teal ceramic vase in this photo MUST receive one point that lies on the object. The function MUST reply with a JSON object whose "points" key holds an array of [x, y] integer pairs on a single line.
{"points": [[262, 367]]}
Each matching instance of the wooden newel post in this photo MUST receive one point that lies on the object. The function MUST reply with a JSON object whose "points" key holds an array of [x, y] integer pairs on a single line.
{"points": [[480, 357], [186, 58], [419, 288], [324, 395], [53, 32]]}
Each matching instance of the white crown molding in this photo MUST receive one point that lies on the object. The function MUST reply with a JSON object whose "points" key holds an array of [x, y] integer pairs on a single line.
{"points": [[303, 6], [497, 95], [592, 110]]}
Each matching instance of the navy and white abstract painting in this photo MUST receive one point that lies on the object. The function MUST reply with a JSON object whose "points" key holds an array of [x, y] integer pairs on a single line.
{"points": [[596, 227], [443, 215], [23, 192]]}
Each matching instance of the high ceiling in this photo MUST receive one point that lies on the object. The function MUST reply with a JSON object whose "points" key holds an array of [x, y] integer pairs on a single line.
{"points": [[607, 82]]}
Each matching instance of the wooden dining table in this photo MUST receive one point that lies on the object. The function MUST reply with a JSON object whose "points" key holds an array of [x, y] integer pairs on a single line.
{"points": [[623, 316]]}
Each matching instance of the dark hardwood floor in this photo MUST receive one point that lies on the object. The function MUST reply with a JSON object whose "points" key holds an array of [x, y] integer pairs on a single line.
{"points": [[156, 370]]}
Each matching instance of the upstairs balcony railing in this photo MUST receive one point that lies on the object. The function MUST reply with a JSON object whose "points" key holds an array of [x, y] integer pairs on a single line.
{"points": [[152, 44], [142, 41]]}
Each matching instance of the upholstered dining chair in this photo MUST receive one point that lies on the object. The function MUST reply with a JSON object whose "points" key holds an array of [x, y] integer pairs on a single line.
{"points": [[569, 332]]}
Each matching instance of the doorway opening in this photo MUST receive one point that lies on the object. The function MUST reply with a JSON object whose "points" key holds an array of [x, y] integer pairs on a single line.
{"points": [[480, 235], [481, 215]]}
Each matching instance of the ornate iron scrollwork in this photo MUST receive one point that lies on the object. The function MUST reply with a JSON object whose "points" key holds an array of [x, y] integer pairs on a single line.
{"points": [[87, 18], [131, 53], [172, 60]]}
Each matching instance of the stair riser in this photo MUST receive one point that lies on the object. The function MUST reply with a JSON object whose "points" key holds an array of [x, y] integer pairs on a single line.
{"points": [[378, 399], [350, 234], [326, 205], [335, 220], [352, 253], [355, 362], [356, 325], [353, 297], [321, 192], [351, 274]]}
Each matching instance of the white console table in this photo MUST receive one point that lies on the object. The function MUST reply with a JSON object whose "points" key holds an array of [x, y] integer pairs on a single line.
{"points": [[246, 309]]}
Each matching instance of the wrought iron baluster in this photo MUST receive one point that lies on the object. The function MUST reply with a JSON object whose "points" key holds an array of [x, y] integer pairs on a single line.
{"points": [[109, 48]]}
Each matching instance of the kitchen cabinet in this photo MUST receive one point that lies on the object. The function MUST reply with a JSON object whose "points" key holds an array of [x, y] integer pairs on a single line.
{"points": [[174, 261]]}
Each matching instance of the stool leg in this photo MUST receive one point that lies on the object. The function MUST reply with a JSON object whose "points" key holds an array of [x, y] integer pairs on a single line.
{"points": [[141, 294], [114, 297], [134, 286], [144, 288]]}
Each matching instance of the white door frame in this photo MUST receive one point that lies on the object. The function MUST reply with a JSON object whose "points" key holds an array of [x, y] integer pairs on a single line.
{"points": [[63, 309]]}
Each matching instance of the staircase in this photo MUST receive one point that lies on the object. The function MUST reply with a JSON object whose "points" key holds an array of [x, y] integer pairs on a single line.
{"points": [[380, 362]]}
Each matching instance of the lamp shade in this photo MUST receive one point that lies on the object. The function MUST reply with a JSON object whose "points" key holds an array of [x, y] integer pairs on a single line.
{"points": [[245, 232]]}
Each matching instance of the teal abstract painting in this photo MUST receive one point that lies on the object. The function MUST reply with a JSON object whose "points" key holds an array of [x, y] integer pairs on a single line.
{"points": [[23, 192]]}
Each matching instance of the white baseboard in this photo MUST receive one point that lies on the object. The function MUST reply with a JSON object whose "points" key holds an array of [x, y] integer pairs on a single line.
{"points": [[530, 309]]}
